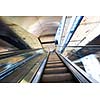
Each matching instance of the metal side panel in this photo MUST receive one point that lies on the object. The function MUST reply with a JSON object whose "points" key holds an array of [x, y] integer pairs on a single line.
{"points": [[40, 71]]}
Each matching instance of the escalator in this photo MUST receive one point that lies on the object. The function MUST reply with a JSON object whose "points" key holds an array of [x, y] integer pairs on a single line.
{"points": [[21, 66], [56, 71], [36, 67]]}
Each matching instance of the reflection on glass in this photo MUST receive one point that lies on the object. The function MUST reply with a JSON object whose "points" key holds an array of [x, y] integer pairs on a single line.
{"points": [[76, 53], [9, 62]]}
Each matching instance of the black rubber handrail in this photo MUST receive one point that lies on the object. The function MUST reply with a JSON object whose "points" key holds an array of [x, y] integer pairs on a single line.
{"points": [[37, 77]]}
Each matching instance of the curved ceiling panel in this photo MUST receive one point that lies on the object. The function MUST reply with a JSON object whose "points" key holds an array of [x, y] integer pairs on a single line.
{"points": [[45, 25], [37, 25]]}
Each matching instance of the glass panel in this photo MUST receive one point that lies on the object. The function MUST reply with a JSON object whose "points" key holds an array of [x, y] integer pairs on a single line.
{"points": [[10, 62], [76, 53]]}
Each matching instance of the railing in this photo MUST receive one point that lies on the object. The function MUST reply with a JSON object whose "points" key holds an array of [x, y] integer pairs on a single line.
{"points": [[81, 75], [15, 68], [36, 79], [15, 52]]}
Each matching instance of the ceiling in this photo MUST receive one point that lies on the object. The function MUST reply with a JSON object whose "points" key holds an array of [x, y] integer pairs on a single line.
{"points": [[43, 27], [37, 25]]}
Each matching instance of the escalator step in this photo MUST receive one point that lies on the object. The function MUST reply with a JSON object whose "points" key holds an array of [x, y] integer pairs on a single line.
{"points": [[55, 57], [55, 65], [55, 70], [56, 77], [53, 62]]}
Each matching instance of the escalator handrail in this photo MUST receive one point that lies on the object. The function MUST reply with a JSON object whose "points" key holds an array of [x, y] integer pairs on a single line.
{"points": [[39, 73], [33, 73], [13, 53], [17, 50], [8, 71], [82, 76]]}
